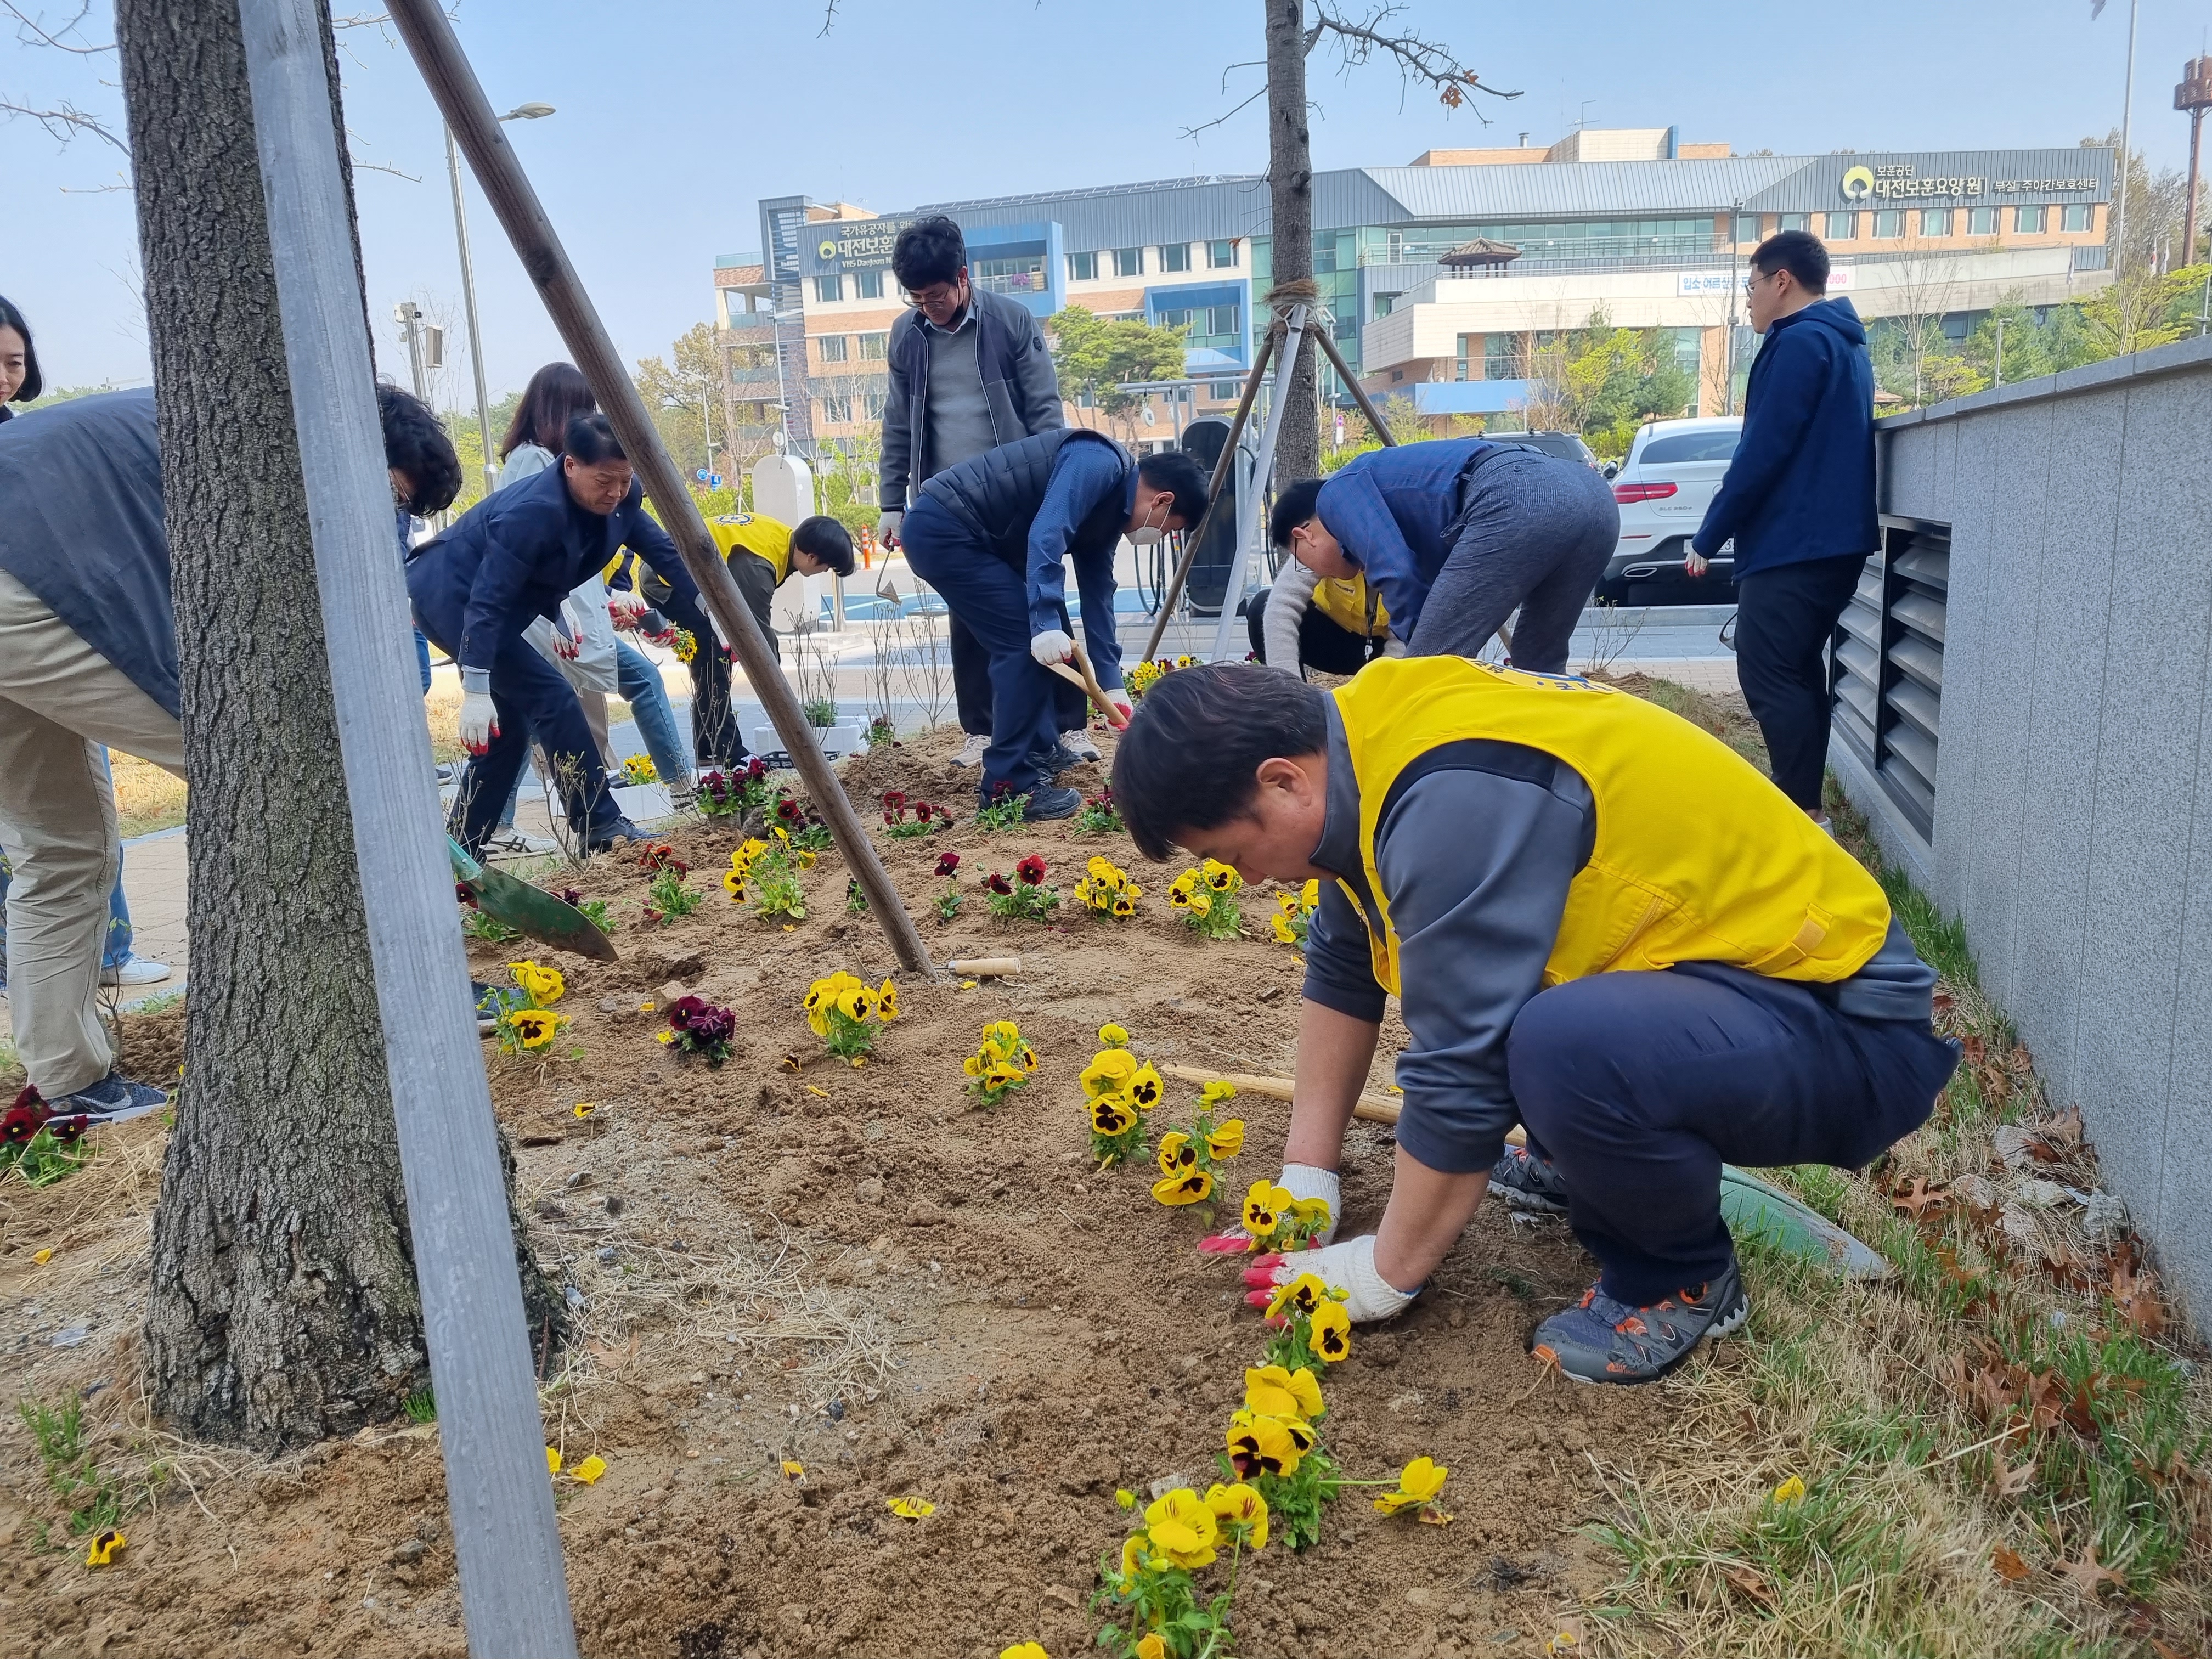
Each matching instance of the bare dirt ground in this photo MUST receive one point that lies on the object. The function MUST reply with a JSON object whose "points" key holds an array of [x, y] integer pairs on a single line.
{"points": [[859, 1270]]}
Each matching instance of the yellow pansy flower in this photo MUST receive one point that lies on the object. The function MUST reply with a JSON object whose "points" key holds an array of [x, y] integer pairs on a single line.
{"points": [[1227, 1139], [1124, 1498], [1258, 1444], [1282, 930], [534, 1027], [1264, 1202], [1332, 1332], [1419, 1482], [1145, 1087], [552, 1460], [1025, 1650], [1176, 1155], [857, 1002], [1240, 1505], [1150, 1646], [589, 1470], [1112, 1115], [1108, 1073], [1221, 878], [1213, 1094], [1175, 1191], [1275, 1392], [1113, 1036], [101, 1551], [910, 1507], [887, 1008], [972, 1065], [1180, 1527], [1791, 1490]]}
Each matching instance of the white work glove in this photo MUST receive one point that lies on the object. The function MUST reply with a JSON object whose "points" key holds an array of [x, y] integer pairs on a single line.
{"points": [[1349, 1266], [568, 636], [1300, 1180], [1113, 696], [625, 609], [1695, 563], [1394, 646], [887, 527], [1051, 646], [479, 721]]}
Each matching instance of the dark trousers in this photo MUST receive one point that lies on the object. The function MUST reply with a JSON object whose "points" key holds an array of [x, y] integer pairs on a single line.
{"points": [[991, 598], [1324, 643], [1640, 1086], [971, 686], [1786, 617], [530, 698], [1535, 532], [717, 739]]}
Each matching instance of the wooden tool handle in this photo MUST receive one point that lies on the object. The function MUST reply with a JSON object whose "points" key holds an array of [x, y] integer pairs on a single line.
{"points": [[985, 967], [1089, 686], [1371, 1108]]}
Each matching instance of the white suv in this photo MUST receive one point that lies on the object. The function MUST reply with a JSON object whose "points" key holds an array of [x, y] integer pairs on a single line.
{"points": [[1663, 488]]}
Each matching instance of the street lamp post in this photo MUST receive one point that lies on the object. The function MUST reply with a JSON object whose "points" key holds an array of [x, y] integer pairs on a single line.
{"points": [[519, 112]]}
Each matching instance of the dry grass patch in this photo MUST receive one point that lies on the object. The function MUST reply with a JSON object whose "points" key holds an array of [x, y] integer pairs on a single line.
{"points": [[147, 796]]}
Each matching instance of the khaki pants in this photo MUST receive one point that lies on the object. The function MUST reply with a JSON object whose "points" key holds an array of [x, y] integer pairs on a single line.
{"points": [[60, 701]]}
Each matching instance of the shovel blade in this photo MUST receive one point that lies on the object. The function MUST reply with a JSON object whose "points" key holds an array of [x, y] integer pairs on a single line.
{"points": [[532, 910], [1750, 1207]]}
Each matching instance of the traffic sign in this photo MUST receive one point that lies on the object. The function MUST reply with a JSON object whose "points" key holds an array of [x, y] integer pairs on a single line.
{"points": [[714, 481], [702, 475]]}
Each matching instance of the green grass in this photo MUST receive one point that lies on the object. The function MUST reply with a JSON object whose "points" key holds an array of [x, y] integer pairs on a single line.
{"points": [[94, 1501], [420, 1407]]}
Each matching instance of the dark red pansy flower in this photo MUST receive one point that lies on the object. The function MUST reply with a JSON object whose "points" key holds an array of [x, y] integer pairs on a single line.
{"points": [[682, 1010], [572, 896], [1030, 869], [67, 1129], [998, 884], [947, 863], [922, 809]]}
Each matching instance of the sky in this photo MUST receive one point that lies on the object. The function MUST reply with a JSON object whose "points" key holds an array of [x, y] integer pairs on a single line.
{"points": [[673, 117]]}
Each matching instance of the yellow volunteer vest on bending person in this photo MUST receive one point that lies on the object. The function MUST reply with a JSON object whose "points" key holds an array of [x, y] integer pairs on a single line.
{"points": [[1347, 602], [1696, 858], [753, 532]]}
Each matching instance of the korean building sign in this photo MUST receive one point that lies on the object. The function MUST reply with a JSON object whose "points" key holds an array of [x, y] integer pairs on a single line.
{"points": [[840, 245], [1901, 182]]}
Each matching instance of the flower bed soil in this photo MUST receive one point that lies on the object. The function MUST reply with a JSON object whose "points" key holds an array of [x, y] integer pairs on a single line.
{"points": [[858, 1270]]}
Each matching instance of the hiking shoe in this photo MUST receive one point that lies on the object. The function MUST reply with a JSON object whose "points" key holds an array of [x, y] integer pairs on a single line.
{"points": [[971, 752], [512, 842], [137, 971], [1528, 1182], [619, 833], [1600, 1341], [1055, 759], [1049, 800], [491, 1000], [114, 1099], [1078, 743]]}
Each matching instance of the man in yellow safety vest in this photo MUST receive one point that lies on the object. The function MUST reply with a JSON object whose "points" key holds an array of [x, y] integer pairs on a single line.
{"points": [[1600, 921]]}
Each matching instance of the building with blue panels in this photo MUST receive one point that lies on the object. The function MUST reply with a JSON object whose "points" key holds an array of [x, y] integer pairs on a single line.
{"points": [[1629, 222]]}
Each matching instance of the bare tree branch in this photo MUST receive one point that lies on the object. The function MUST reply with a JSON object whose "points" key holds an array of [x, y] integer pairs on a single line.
{"points": [[1193, 132], [33, 32], [63, 122], [1420, 62], [829, 16]]}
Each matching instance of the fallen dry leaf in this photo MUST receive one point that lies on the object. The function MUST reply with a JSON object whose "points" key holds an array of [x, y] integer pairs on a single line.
{"points": [[2088, 1575], [613, 1359], [1919, 1198], [2008, 1566], [1752, 1585], [2011, 1482]]}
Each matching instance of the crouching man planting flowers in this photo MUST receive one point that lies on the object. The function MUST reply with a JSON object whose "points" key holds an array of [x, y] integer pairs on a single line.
{"points": [[1600, 921]]}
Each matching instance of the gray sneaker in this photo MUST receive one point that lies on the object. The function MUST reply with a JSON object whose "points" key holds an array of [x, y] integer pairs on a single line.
{"points": [[1078, 743], [1528, 1182], [114, 1099], [1600, 1341], [971, 752]]}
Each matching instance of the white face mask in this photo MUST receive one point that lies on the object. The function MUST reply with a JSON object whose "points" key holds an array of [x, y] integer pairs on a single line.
{"points": [[1150, 535]]}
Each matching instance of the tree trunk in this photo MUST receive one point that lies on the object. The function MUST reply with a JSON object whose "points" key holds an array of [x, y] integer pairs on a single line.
{"points": [[285, 1307], [1290, 182]]}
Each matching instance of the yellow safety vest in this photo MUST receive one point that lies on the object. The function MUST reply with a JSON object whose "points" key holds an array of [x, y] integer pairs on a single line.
{"points": [[1348, 602], [753, 532], [1697, 858]]}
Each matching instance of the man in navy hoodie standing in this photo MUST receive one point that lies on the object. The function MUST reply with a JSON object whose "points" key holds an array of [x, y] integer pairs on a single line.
{"points": [[1798, 499]]}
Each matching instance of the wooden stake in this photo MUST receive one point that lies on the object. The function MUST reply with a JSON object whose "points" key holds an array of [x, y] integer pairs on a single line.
{"points": [[453, 83]]}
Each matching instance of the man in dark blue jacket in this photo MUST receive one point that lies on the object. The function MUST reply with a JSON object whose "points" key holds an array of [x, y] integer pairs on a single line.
{"points": [[517, 556], [1455, 535], [1798, 499], [994, 535]]}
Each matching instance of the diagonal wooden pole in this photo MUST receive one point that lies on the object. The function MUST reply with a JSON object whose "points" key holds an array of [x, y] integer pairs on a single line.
{"points": [[507, 1540], [1196, 539], [1351, 384], [1296, 322], [454, 85]]}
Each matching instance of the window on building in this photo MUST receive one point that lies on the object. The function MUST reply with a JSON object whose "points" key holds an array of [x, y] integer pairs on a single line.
{"points": [[1175, 256], [2030, 221], [1226, 389], [834, 410], [1889, 224], [829, 289], [872, 406], [1934, 221], [832, 347], [1224, 319], [1790, 221], [1022, 274], [2080, 216], [1747, 228], [1383, 302], [1981, 221], [874, 348], [1128, 262], [1346, 328], [1467, 366], [868, 284], [1082, 267], [1841, 227], [1176, 319], [1221, 255], [1502, 358]]}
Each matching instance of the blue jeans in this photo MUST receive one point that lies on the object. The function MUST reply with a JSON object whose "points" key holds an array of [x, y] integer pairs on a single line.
{"points": [[422, 659], [992, 597], [528, 694], [1638, 1085]]}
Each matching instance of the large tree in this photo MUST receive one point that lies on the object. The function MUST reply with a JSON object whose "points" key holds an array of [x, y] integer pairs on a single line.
{"points": [[284, 1306]]}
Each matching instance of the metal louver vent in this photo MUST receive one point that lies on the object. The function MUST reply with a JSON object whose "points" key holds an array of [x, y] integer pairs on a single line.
{"points": [[1887, 677]]}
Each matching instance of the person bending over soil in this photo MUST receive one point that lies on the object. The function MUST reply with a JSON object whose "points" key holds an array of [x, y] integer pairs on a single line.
{"points": [[1599, 921]]}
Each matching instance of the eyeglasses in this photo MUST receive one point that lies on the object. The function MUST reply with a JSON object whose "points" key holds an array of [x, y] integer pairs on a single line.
{"points": [[1756, 277]]}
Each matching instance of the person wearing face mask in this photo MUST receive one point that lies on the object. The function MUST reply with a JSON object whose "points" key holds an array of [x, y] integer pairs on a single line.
{"points": [[994, 536], [1455, 535], [968, 372], [91, 663], [517, 556]]}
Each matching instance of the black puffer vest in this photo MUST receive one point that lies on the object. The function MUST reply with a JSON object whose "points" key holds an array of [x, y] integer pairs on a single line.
{"points": [[997, 493]]}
